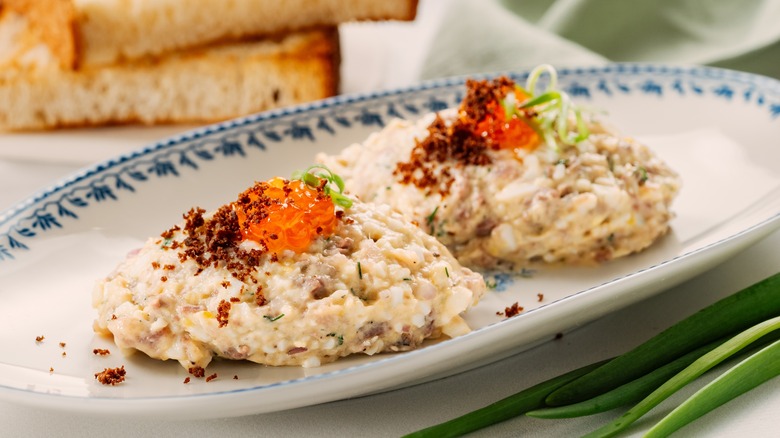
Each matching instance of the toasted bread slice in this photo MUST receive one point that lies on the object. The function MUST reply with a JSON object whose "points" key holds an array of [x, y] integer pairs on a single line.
{"points": [[111, 31], [37, 34], [198, 85]]}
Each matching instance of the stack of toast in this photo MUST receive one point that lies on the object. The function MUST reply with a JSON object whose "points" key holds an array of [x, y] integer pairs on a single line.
{"points": [[70, 63]]}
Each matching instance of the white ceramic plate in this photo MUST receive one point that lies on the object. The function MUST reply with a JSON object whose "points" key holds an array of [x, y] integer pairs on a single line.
{"points": [[717, 128]]}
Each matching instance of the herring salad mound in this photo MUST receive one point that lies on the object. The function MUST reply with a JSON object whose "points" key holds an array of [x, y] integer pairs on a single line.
{"points": [[291, 273], [516, 177]]}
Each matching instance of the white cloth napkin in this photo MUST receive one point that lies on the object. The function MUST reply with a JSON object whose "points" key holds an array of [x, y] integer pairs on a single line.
{"points": [[498, 35]]}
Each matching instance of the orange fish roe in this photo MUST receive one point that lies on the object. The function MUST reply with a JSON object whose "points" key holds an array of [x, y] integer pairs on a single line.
{"points": [[502, 133], [285, 215]]}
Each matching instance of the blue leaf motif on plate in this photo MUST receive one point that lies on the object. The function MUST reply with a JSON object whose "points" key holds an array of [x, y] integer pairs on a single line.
{"points": [[411, 108], [652, 87], [64, 212], [122, 185], [230, 148], [625, 89], [678, 87], [5, 253], [203, 154], [696, 88], [323, 125], [136, 175], [576, 89], [26, 232], [45, 221], [604, 87], [254, 142], [15, 244], [774, 109], [747, 94], [343, 121], [298, 131], [100, 193], [499, 281], [435, 104], [272, 135], [78, 202], [724, 91], [163, 168], [392, 112], [368, 118], [184, 160]]}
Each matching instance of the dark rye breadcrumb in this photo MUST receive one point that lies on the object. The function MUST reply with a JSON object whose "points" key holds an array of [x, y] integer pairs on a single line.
{"points": [[459, 144], [215, 240], [512, 310], [197, 371], [223, 312], [111, 376]]}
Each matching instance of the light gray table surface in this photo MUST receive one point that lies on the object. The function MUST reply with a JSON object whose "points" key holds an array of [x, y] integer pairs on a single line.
{"points": [[39, 163]]}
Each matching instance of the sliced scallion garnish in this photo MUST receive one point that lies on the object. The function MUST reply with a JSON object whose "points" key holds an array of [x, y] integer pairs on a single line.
{"points": [[314, 175], [552, 110]]}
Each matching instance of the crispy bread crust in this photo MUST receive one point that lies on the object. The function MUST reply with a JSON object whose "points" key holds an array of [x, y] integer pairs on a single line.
{"points": [[49, 22], [47, 80], [117, 31], [225, 81]]}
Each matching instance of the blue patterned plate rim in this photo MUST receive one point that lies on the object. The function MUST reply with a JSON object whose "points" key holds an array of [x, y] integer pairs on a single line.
{"points": [[765, 85]]}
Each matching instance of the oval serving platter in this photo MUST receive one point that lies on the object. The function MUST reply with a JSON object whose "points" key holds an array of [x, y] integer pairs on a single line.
{"points": [[717, 128]]}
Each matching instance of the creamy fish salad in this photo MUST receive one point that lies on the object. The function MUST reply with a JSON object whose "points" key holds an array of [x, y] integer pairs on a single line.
{"points": [[505, 185], [292, 273], [302, 271]]}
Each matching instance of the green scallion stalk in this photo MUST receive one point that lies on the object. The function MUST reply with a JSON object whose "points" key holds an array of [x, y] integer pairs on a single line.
{"points": [[696, 369], [501, 410], [730, 315], [627, 394], [751, 372], [749, 307]]}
